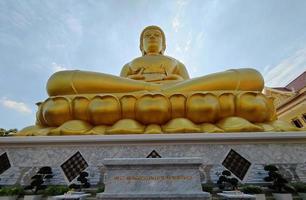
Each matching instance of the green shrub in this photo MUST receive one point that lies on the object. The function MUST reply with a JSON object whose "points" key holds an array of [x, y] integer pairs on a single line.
{"points": [[226, 181], [299, 187], [277, 182], [3, 192], [101, 188], [11, 191], [252, 189], [54, 190], [207, 188], [4, 133], [272, 168], [37, 185], [83, 180]]}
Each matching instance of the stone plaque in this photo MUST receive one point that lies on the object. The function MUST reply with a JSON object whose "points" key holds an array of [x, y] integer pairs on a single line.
{"points": [[149, 178]]}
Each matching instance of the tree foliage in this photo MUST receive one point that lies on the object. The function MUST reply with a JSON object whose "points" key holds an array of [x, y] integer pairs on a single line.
{"points": [[83, 180], [4, 132], [39, 179], [225, 181], [277, 182]]}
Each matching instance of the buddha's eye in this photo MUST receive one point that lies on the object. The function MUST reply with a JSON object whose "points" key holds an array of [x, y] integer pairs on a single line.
{"points": [[156, 35]]}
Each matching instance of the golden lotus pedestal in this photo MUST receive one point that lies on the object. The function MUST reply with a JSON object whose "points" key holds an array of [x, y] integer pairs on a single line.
{"points": [[156, 113]]}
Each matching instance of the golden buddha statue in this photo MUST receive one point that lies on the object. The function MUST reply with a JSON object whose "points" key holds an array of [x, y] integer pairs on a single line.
{"points": [[153, 71], [154, 94]]}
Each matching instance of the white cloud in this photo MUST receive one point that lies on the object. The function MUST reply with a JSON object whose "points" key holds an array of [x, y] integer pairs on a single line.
{"points": [[176, 22], [188, 42], [15, 105], [182, 2], [200, 39], [287, 70], [74, 25], [56, 67], [183, 46]]}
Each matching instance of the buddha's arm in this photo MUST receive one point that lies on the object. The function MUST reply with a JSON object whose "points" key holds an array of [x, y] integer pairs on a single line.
{"points": [[127, 73], [182, 71], [179, 73]]}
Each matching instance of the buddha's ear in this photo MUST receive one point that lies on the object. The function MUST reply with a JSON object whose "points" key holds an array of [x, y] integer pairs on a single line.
{"points": [[142, 50], [163, 48], [141, 47]]}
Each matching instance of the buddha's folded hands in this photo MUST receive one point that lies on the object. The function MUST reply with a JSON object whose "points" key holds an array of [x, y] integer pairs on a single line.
{"points": [[173, 77], [136, 77]]}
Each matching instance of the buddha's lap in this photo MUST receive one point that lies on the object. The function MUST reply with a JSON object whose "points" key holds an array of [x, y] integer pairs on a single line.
{"points": [[80, 82]]}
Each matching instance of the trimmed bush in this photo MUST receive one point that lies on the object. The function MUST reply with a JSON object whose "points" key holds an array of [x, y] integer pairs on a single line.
{"points": [[53, 190], [207, 187], [299, 187], [252, 189], [277, 182], [11, 191], [225, 181]]}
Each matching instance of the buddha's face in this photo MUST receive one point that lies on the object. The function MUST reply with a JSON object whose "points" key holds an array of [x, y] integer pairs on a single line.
{"points": [[152, 41]]}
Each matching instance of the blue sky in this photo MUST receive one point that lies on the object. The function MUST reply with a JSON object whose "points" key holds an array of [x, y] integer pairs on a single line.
{"points": [[38, 38]]}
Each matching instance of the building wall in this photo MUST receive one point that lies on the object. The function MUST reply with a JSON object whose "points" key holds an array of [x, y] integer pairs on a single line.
{"points": [[279, 97], [295, 113], [290, 106], [293, 110]]}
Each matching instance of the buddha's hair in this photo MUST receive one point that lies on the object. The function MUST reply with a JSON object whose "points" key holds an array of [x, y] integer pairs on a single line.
{"points": [[154, 28]]}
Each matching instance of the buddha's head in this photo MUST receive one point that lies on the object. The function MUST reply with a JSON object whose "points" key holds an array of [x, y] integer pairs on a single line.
{"points": [[152, 39]]}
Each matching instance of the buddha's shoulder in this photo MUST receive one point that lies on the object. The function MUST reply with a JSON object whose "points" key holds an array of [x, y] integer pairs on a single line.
{"points": [[138, 59], [173, 60]]}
